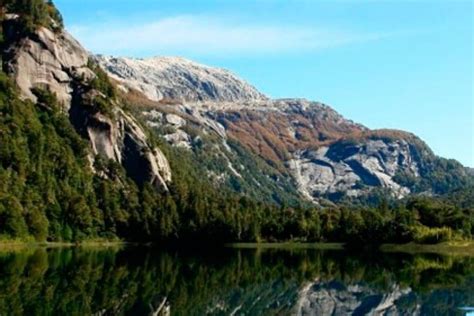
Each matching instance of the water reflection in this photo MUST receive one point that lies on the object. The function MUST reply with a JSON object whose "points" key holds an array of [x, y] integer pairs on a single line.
{"points": [[143, 281]]}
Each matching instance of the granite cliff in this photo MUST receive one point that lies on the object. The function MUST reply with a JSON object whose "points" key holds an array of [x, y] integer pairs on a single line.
{"points": [[52, 60]]}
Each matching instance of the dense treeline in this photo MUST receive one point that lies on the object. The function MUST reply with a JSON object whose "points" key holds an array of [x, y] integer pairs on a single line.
{"points": [[46, 187], [32, 14]]}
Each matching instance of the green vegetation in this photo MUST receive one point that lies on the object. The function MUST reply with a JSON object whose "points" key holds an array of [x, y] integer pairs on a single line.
{"points": [[101, 82], [46, 187], [48, 192], [253, 176], [33, 14], [452, 248], [440, 176]]}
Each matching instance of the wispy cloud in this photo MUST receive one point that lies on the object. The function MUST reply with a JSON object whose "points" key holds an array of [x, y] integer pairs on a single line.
{"points": [[208, 35]]}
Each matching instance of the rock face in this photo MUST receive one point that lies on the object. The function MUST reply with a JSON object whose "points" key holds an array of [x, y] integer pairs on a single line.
{"points": [[49, 60], [57, 62], [323, 154], [333, 169], [176, 78], [124, 141]]}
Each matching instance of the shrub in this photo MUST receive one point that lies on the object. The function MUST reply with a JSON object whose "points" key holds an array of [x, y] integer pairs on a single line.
{"points": [[35, 13], [426, 235]]}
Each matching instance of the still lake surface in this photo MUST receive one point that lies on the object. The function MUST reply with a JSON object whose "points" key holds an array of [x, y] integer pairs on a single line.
{"points": [[148, 281]]}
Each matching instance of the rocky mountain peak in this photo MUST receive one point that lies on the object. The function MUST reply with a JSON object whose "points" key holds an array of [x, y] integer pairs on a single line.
{"points": [[175, 78]]}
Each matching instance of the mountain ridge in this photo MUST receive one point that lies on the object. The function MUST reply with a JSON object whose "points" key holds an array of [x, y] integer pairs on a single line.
{"points": [[178, 78], [302, 140]]}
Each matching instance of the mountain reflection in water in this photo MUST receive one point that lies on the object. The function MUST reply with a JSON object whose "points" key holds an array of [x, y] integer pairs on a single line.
{"points": [[148, 281]]}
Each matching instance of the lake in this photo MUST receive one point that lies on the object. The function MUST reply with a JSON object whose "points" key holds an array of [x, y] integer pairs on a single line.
{"points": [[149, 281]]}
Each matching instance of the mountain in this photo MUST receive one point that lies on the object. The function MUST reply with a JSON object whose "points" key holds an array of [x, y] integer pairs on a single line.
{"points": [[168, 150], [304, 148], [174, 78]]}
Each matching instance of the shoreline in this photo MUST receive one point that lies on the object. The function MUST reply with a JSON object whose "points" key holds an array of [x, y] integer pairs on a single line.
{"points": [[287, 245], [22, 245], [461, 248]]}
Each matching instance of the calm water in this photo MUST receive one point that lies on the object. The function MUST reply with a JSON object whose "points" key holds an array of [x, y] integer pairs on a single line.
{"points": [[143, 281]]}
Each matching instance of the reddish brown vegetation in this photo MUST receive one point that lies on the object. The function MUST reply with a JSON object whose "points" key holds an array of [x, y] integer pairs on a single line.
{"points": [[274, 135]]}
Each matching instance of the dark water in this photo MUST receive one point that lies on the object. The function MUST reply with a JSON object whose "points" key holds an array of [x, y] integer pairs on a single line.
{"points": [[140, 281]]}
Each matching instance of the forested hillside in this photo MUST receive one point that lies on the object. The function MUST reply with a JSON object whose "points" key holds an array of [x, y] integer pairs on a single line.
{"points": [[49, 192], [72, 173]]}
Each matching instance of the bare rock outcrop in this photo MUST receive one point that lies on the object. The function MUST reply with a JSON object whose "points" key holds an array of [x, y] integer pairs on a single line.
{"points": [[178, 79], [49, 60], [55, 61], [353, 169]]}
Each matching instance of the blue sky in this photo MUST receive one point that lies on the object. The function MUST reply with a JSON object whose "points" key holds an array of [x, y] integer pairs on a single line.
{"points": [[386, 64]]}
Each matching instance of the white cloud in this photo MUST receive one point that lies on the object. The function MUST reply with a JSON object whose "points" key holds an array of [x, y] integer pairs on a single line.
{"points": [[205, 35]]}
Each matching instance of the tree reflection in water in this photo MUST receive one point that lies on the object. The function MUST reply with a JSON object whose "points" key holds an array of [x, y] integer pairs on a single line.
{"points": [[146, 281]]}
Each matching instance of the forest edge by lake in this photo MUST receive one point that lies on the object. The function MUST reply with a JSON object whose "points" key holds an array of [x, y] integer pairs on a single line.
{"points": [[462, 248]]}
